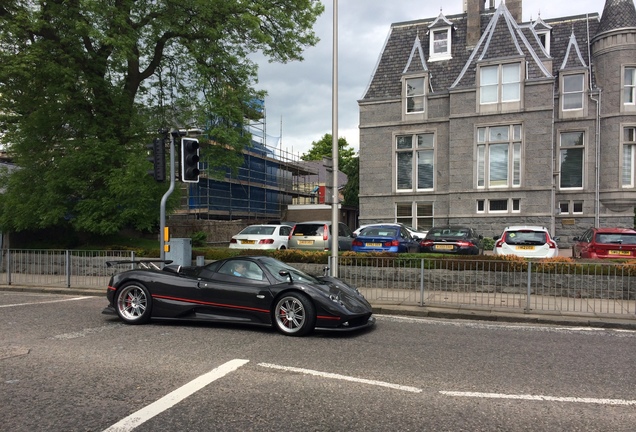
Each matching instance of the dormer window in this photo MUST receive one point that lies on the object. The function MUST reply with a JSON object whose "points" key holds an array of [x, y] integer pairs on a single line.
{"points": [[440, 37], [440, 48], [544, 38]]}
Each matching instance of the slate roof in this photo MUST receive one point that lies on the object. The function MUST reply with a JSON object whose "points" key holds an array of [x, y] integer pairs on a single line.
{"points": [[617, 14], [501, 38]]}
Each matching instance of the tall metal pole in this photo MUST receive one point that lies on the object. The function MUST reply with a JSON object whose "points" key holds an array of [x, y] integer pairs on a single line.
{"points": [[164, 199], [334, 145]]}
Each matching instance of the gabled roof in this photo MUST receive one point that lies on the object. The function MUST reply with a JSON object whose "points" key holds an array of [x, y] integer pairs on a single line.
{"points": [[540, 25], [503, 38], [573, 58], [441, 21], [417, 62]]}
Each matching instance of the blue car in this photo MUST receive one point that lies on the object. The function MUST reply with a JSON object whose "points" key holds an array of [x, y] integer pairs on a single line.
{"points": [[385, 238]]}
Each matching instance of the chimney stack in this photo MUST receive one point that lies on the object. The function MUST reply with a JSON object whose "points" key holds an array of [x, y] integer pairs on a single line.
{"points": [[474, 8], [514, 6]]}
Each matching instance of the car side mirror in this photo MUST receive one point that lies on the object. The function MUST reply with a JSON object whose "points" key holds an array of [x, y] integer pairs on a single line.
{"points": [[556, 238], [496, 237], [286, 273], [577, 238]]}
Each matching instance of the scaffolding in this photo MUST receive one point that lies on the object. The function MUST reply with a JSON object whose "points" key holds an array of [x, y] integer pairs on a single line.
{"points": [[265, 184]]}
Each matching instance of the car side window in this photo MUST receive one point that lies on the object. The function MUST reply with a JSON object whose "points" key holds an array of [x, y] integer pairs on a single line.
{"points": [[344, 230], [284, 231]]}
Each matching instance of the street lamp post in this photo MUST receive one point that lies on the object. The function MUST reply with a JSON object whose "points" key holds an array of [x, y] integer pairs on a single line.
{"points": [[334, 145]]}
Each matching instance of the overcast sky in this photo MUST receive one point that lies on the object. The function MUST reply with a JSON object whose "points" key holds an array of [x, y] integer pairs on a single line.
{"points": [[300, 93]]}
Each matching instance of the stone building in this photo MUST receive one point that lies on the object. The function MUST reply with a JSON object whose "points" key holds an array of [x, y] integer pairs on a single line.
{"points": [[484, 120]]}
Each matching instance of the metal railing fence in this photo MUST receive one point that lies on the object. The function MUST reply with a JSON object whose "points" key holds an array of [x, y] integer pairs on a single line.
{"points": [[598, 288], [537, 286], [53, 267]]}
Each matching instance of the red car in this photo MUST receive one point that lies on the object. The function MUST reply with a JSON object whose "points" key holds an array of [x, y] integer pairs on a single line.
{"points": [[605, 243]]}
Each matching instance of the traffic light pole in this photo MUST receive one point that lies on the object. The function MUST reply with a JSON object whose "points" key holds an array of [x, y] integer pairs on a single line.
{"points": [[162, 212]]}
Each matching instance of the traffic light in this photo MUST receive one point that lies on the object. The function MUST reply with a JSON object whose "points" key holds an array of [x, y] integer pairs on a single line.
{"points": [[158, 159], [189, 160]]}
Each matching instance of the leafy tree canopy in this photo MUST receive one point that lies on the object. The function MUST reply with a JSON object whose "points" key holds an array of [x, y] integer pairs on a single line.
{"points": [[323, 148], [347, 163], [85, 84]]}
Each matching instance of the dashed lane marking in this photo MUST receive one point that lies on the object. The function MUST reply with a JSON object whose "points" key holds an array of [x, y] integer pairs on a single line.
{"points": [[45, 302]]}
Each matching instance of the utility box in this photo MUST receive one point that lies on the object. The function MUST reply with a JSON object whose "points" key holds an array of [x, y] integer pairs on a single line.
{"points": [[180, 251]]}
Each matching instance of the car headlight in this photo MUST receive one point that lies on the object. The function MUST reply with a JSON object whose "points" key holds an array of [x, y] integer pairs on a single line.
{"points": [[335, 297]]}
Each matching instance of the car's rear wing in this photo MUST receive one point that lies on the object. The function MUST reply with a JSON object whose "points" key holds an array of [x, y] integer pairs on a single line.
{"points": [[145, 264]]}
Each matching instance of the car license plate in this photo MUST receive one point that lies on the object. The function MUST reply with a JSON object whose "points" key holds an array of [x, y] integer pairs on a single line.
{"points": [[524, 247], [373, 244], [248, 241], [443, 247], [619, 252], [305, 242]]}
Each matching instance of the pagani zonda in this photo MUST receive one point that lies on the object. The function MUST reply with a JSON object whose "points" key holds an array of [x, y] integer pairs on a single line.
{"points": [[251, 290]]}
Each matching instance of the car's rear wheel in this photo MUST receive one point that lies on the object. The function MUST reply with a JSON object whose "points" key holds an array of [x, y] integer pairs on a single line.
{"points": [[294, 315], [133, 303]]}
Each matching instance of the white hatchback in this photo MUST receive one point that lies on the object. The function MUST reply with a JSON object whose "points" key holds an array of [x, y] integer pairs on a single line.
{"points": [[262, 237], [527, 242]]}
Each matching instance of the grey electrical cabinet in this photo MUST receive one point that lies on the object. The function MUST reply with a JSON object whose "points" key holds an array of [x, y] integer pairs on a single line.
{"points": [[180, 251]]}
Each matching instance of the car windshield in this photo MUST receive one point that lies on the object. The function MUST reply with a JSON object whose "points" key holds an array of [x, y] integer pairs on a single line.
{"points": [[616, 238], [259, 230], [526, 237], [378, 232], [274, 267]]}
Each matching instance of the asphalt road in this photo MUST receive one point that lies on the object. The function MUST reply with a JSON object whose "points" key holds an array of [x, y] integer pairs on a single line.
{"points": [[66, 367]]}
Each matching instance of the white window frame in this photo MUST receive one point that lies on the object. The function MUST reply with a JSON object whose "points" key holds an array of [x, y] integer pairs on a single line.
{"points": [[504, 78], [435, 55], [513, 205], [629, 85], [506, 138], [570, 93], [409, 151], [546, 39], [414, 93], [628, 163], [416, 214], [564, 149]]}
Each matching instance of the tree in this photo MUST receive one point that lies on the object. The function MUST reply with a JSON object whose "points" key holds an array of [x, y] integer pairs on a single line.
{"points": [[86, 84], [347, 163]]}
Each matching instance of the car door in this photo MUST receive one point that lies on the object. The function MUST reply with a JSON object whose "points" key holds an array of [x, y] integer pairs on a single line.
{"points": [[236, 298], [582, 244], [345, 237]]}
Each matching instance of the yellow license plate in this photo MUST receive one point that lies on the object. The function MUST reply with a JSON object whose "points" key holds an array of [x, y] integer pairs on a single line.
{"points": [[615, 252], [373, 244], [444, 247], [524, 247], [305, 242], [248, 241]]}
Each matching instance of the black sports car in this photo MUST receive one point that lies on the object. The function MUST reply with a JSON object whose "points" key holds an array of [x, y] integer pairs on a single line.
{"points": [[251, 290]]}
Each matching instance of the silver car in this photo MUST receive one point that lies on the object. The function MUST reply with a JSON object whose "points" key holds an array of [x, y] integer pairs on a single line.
{"points": [[316, 236]]}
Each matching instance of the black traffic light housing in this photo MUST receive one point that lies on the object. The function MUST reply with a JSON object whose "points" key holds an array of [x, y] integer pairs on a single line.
{"points": [[158, 159], [189, 160]]}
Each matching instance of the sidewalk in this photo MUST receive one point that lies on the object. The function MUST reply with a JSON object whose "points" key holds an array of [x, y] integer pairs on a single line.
{"points": [[467, 312]]}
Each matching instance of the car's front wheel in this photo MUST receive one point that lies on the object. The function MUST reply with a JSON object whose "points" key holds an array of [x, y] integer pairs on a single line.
{"points": [[133, 303], [294, 315]]}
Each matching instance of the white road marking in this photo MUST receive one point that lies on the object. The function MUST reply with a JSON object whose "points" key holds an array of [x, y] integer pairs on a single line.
{"points": [[342, 377], [132, 421], [453, 393], [540, 398], [44, 302], [520, 326]]}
